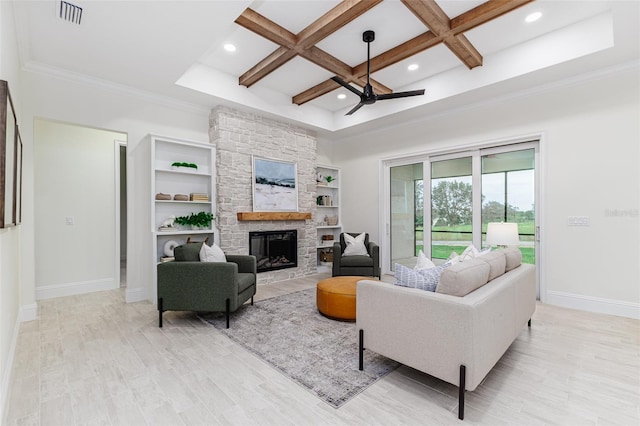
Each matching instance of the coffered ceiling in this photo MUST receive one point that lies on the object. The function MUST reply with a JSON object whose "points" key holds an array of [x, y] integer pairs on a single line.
{"points": [[287, 51]]}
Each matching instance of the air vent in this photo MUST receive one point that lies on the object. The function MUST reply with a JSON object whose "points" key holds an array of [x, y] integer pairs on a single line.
{"points": [[70, 12]]}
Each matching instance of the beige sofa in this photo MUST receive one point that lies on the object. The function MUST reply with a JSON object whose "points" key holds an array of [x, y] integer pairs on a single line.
{"points": [[455, 338]]}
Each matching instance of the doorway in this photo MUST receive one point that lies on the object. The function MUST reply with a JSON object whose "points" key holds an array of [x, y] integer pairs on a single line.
{"points": [[76, 215], [121, 210]]}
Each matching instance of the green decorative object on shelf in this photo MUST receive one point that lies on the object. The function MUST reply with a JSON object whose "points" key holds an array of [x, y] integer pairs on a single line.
{"points": [[200, 220], [182, 164], [329, 179]]}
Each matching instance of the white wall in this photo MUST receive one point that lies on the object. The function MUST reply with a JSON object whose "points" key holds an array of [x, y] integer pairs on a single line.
{"points": [[105, 107], [10, 237], [74, 180], [590, 168]]}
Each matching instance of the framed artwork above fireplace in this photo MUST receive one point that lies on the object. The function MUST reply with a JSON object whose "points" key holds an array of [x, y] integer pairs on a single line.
{"points": [[275, 185]]}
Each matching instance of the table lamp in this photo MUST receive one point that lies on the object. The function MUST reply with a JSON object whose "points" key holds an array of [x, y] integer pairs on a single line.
{"points": [[502, 234]]}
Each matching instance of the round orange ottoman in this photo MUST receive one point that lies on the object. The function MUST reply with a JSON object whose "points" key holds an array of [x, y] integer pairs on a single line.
{"points": [[336, 297]]}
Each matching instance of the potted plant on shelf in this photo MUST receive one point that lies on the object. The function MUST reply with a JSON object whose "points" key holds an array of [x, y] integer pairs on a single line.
{"points": [[329, 179], [201, 220], [179, 164]]}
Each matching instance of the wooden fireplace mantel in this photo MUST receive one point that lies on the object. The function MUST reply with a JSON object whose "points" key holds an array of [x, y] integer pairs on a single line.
{"points": [[244, 216]]}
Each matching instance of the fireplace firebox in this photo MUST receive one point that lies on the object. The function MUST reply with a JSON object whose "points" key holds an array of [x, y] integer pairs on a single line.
{"points": [[274, 249]]}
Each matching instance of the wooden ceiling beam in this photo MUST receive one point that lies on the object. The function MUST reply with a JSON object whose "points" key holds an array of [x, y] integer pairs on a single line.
{"points": [[442, 29], [434, 18], [326, 61], [464, 50], [403, 51], [302, 44], [279, 57], [484, 13], [263, 26], [345, 12], [315, 92]]}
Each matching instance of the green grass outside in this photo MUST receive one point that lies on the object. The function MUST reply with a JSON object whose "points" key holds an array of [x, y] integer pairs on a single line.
{"points": [[443, 252], [523, 228]]}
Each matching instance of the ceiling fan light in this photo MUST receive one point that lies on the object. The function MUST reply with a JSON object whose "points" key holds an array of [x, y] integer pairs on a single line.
{"points": [[229, 47], [413, 67], [532, 17]]}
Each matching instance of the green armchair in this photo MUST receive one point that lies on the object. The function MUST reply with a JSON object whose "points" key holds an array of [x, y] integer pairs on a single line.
{"points": [[187, 284], [368, 266]]}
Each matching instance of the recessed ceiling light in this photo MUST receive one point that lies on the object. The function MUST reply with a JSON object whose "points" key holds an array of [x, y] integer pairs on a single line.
{"points": [[413, 67], [532, 17], [342, 96], [229, 47]]}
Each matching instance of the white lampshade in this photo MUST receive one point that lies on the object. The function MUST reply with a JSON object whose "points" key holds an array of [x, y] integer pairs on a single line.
{"points": [[502, 234]]}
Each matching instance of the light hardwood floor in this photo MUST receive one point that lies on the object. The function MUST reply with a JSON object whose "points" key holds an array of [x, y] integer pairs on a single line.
{"points": [[92, 359]]}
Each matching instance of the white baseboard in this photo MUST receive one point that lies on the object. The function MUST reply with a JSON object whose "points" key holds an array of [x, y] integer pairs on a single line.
{"points": [[594, 304], [6, 377], [133, 295], [29, 312], [70, 289]]}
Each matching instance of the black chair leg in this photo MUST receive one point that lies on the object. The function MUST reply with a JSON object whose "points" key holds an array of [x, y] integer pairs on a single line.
{"points": [[529, 323], [160, 312], [463, 371], [227, 309], [251, 300], [361, 351]]}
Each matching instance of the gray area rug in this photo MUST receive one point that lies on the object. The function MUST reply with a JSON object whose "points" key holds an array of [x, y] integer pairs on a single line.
{"points": [[318, 353]]}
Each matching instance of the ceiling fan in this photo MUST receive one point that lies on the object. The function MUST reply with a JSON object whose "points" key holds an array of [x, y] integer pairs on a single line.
{"points": [[367, 96]]}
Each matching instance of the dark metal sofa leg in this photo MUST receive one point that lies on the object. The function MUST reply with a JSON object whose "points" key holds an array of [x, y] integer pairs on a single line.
{"points": [[251, 300], [361, 350], [227, 309], [529, 323], [463, 371], [160, 312]]}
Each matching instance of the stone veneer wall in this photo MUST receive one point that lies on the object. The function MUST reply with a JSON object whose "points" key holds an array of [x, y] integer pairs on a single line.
{"points": [[238, 136]]}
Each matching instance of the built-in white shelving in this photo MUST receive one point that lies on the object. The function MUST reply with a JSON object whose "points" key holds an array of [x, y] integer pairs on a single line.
{"points": [[328, 206], [155, 156]]}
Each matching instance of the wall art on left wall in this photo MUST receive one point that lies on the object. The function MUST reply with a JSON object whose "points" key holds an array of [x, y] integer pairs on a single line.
{"points": [[10, 161]]}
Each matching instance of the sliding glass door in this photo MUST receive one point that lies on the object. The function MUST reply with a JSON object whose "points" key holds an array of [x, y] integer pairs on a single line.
{"points": [[442, 203], [509, 194], [451, 206], [407, 212]]}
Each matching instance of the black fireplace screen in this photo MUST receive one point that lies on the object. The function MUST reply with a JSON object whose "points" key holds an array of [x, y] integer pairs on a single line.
{"points": [[274, 249]]}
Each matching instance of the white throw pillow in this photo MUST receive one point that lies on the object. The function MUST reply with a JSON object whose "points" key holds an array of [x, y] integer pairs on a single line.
{"points": [[453, 258], [469, 253], [212, 254], [355, 245], [423, 262]]}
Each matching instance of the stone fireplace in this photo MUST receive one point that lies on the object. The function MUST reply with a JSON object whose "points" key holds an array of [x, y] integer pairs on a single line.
{"points": [[238, 137]]}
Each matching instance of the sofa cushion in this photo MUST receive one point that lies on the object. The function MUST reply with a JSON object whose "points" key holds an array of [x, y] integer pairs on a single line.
{"points": [[425, 279], [356, 261], [212, 254], [355, 245], [513, 256], [423, 262], [497, 262], [464, 277], [189, 252]]}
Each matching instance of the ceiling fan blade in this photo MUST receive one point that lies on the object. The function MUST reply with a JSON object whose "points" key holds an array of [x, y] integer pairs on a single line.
{"points": [[346, 85], [400, 94], [355, 108]]}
